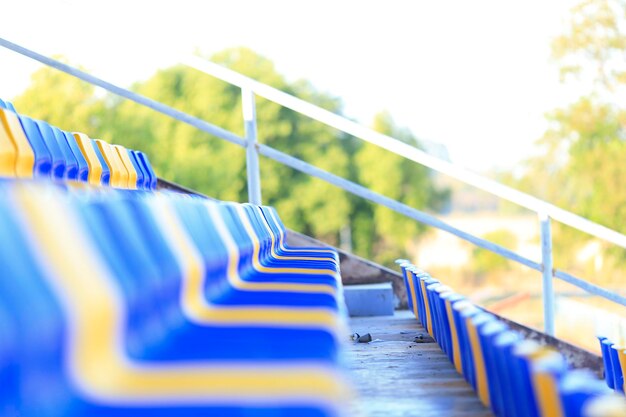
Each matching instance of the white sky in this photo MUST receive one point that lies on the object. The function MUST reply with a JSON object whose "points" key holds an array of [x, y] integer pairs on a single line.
{"points": [[472, 75]]}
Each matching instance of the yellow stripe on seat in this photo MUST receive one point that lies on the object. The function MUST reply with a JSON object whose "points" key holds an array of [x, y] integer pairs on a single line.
{"points": [[546, 387], [8, 154], [94, 306], [330, 252], [429, 320], [122, 152], [24, 155], [113, 162], [124, 174], [479, 362], [198, 309], [274, 239], [456, 347], [413, 294], [95, 168], [256, 251]]}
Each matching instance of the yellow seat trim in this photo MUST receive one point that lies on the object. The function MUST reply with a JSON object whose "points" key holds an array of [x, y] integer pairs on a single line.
{"points": [[24, 155], [456, 347], [122, 152], [196, 305], [482, 385], [95, 167], [429, 321], [547, 391], [116, 179], [8, 155], [98, 366]]}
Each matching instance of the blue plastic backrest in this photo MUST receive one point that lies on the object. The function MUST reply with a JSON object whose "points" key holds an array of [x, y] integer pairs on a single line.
{"points": [[618, 377], [43, 157], [147, 176], [106, 172], [83, 167], [58, 159], [8, 358], [141, 175], [71, 164], [576, 388], [148, 168], [511, 389], [496, 379], [608, 361], [405, 275], [7, 105], [466, 350], [32, 305]]}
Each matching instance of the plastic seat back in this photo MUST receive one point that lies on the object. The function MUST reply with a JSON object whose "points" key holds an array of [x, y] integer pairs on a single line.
{"points": [[43, 156], [93, 160], [24, 161]]}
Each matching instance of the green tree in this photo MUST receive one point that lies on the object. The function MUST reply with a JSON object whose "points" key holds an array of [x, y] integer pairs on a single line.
{"points": [[398, 178], [195, 159], [62, 100], [485, 262], [582, 167]]}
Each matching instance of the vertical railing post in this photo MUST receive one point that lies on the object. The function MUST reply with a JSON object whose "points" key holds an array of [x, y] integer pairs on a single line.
{"points": [[548, 272], [252, 153]]}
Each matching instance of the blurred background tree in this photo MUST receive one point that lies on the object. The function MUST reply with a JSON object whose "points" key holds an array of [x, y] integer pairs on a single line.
{"points": [[185, 155], [582, 166], [485, 262]]}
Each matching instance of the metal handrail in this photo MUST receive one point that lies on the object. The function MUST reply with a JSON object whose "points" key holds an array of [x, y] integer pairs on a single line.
{"points": [[250, 88], [407, 151]]}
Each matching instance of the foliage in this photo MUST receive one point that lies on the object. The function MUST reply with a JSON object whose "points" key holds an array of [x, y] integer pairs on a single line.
{"points": [[582, 167], [485, 262], [594, 44], [192, 158]]}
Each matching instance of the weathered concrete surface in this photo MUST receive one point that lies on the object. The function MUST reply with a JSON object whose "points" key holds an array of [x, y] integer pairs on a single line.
{"points": [[357, 270], [369, 299], [397, 377]]}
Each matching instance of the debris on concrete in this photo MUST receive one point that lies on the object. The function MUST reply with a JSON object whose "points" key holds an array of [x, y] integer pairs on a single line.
{"points": [[366, 338]]}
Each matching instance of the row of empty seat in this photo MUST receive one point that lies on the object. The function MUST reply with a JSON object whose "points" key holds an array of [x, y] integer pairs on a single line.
{"points": [[124, 301], [511, 375], [159, 304], [34, 148], [614, 359]]}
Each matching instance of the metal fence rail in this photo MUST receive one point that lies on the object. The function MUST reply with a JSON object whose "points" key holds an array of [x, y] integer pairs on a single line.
{"points": [[251, 88]]}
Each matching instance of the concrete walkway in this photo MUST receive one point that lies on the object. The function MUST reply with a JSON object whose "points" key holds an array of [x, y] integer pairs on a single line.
{"points": [[398, 377]]}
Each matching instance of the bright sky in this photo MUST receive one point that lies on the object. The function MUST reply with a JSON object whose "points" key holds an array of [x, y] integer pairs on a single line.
{"points": [[472, 75]]}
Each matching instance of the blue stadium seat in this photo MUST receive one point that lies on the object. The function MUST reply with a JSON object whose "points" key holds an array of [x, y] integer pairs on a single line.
{"points": [[105, 178], [141, 174], [17, 158], [83, 167], [70, 161], [281, 232], [513, 376], [577, 388], [150, 178], [120, 279], [43, 155], [58, 157]]}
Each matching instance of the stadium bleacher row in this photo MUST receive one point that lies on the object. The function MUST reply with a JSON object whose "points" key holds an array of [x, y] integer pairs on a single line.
{"points": [[614, 359], [512, 376], [126, 301], [33, 148]]}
